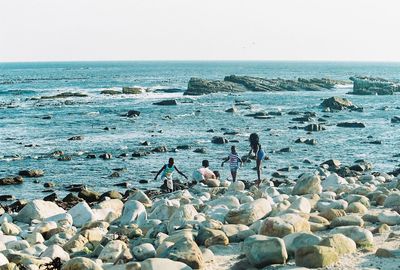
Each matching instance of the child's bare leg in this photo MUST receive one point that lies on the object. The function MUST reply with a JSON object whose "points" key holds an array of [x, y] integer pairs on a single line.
{"points": [[233, 173]]}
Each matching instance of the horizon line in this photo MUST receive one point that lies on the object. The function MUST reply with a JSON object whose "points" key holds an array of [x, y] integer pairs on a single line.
{"points": [[203, 60]]}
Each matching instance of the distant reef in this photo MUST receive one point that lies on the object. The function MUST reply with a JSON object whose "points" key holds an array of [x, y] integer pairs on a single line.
{"points": [[374, 86], [233, 83]]}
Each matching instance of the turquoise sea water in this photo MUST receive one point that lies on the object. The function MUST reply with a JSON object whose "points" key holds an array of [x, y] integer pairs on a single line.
{"points": [[22, 123]]}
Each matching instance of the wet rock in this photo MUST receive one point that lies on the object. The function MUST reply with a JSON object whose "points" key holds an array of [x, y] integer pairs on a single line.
{"points": [[105, 156], [31, 173], [76, 138], [160, 149], [16, 180], [89, 195], [110, 92], [336, 103], [200, 151], [395, 119], [91, 156], [314, 127], [132, 113], [168, 102], [51, 198], [132, 90], [316, 256], [232, 110], [351, 125], [373, 86], [262, 251], [6, 198], [64, 158], [140, 154], [219, 140], [197, 86]]}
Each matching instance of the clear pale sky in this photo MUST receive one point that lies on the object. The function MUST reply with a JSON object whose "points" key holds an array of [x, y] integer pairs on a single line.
{"points": [[67, 30]]}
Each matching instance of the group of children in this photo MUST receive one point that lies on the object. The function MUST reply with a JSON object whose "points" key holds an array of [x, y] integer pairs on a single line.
{"points": [[235, 162]]}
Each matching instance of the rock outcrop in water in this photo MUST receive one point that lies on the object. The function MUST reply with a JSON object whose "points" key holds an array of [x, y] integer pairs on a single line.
{"points": [[197, 86], [374, 86], [235, 83]]}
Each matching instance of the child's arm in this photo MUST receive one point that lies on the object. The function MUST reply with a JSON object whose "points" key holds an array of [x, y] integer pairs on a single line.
{"points": [[241, 161], [163, 167], [225, 160], [181, 173]]}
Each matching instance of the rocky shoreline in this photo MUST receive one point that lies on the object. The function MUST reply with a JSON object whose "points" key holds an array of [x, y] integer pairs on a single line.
{"points": [[313, 222]]}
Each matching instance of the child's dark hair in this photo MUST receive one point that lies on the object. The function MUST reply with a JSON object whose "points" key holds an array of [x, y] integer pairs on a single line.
{"points": [[205, 163], [171, 161], [254, 139], [233, 149]]}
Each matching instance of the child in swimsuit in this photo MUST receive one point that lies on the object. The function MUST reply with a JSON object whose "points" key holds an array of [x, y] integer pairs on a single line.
{"points": [[234, 160], [167, 171], [259, 152]]}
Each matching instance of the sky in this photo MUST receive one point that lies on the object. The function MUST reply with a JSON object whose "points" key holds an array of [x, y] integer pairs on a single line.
{"points": [[316, 30]]}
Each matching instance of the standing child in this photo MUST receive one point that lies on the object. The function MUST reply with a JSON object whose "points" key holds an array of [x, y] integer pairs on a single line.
{"points": [[167, 171], [234, 160], [255, 146]]}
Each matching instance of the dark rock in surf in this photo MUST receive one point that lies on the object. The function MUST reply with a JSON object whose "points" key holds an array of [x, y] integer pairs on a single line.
{"points": [[395, 119], [351, 125], [219, 140], [31, 173], [105, 156], [160, 149], [168, 102], [231, 110], [337, 103], [183, 147], [91, 156], [16, 180], [140, 154], [132, 113], [132, 90], [110, 92], [65, 95], [89, 195], [197, 86], [200, 151], [76, 138], [51, 198], [64, 158], [314, 127], [4, 198]]}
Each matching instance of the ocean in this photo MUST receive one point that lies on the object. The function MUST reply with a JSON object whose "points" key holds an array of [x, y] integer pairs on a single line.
{"points": [[32, 128]]}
